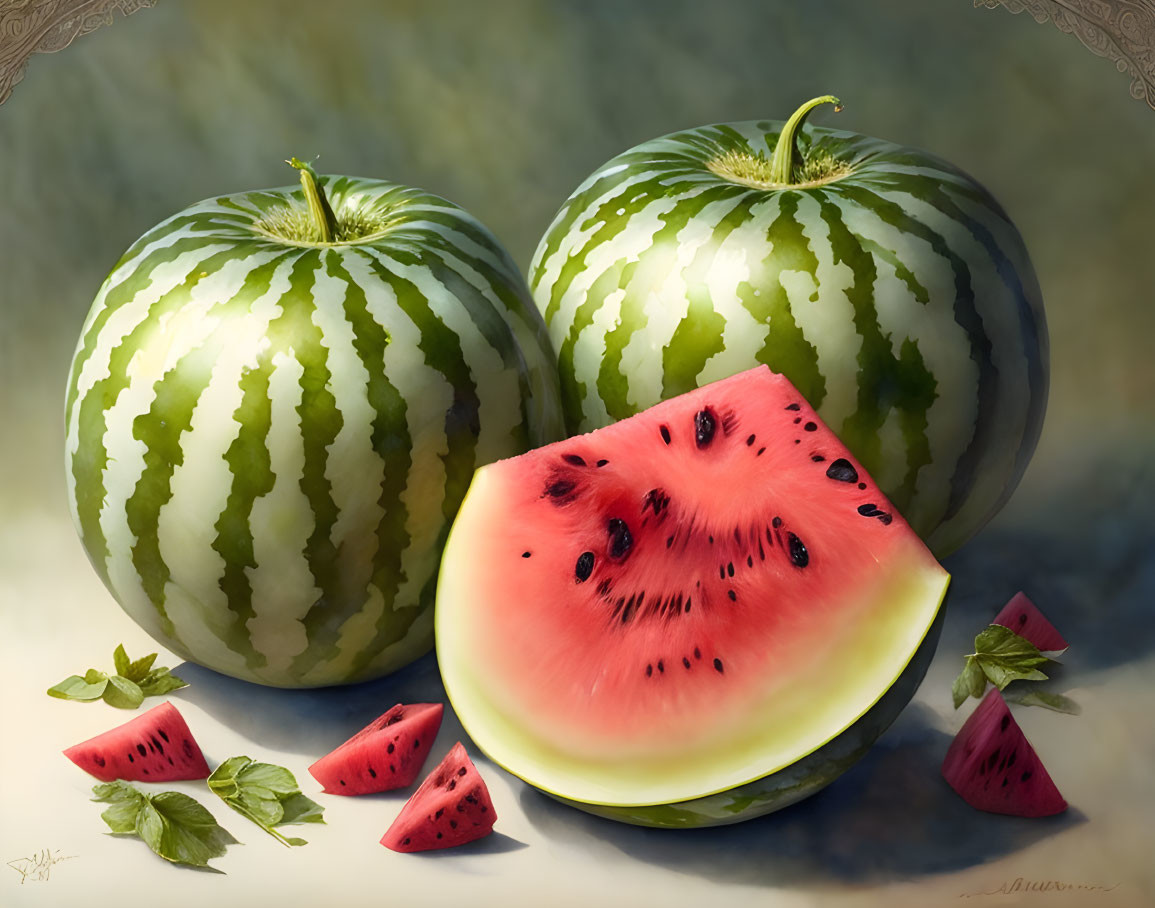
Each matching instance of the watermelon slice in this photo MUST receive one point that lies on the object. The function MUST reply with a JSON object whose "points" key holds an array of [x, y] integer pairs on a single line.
{"points": [[1023, 617], [386, 754], [992, 765], [688, 601], [451, 807], [154, 747]]}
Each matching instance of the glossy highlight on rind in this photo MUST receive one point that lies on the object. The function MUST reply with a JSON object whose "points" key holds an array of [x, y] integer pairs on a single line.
{"points": [[898, 298], [266, 440]]}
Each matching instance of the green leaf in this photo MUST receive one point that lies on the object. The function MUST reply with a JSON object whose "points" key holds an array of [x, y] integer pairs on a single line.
{"points": [[171, 823], [265, 794], [970, 683], [122, 693], [159, 682], [126, 689], [275, 778], [120, 660], [298, 808], [137, 670], [180, 830], [1004, 656], [1033, 696], [76, 688], [126, 802]]}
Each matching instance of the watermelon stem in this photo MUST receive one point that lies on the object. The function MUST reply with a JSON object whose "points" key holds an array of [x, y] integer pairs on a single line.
{"points": [[786, 153], [320, 212]]}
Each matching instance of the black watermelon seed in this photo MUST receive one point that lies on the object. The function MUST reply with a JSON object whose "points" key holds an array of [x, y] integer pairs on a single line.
{"points": [[404, 841], [842, 470], [416, 743], [730, 568], [392, 767], [452, 785], [453, 824], [868, 510], [761, 551], [649, 670], [342, 781], [390, 748], [525, 554], [749, 561], [686, 607], [620, 538], [602, 463], [440, 811], [560, 488], [737, 536], [711, 539], [704, 427], [1004, 723], [862, 485], [733, 596], [372, 773], [439, 835], [817, 458], [1026, 775], [170, 762], [152, 746], [797, 419], [697, 653], [574, 459], [884, 519], [750, 441], [798, 554], [810, 426], [187, 747], [722, 571], [98, 760], [160, 731], [776, 522], [685, 662], [584, 567], [793, 407], [665, 430], [140, 749], [661, 667], [718, 665], [462, 771], [797, 441], [669, 541], [761, 451]]}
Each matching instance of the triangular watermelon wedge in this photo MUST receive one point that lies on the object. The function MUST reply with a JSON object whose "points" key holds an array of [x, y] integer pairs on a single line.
{"points": [[154, 747], [451, 807], [1023, 617], [992, 766], [384, 755]]}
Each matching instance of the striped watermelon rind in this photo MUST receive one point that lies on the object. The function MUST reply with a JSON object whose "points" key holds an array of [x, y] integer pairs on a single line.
{"points": [[896, 295], [267, 438]]}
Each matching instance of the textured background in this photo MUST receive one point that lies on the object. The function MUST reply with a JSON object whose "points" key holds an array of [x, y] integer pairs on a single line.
{"points": [[503, 107]]}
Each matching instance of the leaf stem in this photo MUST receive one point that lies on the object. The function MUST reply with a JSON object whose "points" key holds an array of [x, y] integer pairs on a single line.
{"points": [[319, 210], [786, 153]]}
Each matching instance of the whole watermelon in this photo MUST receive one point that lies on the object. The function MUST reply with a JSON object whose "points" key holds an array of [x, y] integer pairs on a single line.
{"points": [[886, 284], [275, 407]]}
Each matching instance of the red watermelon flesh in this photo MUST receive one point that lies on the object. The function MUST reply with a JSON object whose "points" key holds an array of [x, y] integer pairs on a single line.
{"points": [[1023, 617], [154, 747], [451, 807], [679, 603], [386, 754], [992, 766]]}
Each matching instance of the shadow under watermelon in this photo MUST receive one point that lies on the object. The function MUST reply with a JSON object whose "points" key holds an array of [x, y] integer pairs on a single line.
{"points": [[312, 722], [891, 817]]}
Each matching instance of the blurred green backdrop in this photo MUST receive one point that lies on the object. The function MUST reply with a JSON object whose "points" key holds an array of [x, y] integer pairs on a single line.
{"points": [[504, 106]]}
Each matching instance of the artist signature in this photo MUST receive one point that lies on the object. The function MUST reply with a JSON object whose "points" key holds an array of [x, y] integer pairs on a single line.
{"points": [[39, 866], [1022, 885]]}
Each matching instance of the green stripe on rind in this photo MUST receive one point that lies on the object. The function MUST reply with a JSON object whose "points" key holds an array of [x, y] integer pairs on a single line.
{"points": [[886, 381], [442, 350]]}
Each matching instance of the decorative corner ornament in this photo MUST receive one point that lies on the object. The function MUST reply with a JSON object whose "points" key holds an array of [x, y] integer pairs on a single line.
{"points": [[46, 26], [1121, 30]]}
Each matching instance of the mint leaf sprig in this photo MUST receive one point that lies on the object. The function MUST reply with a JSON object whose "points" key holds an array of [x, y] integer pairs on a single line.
{"points": [[265, 794], [1000, 657], [126, 689], [173, 825]]}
